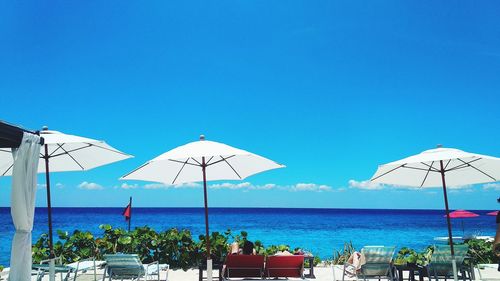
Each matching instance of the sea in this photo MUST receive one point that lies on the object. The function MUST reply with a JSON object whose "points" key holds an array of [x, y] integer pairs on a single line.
{"points": [[319, 231]]}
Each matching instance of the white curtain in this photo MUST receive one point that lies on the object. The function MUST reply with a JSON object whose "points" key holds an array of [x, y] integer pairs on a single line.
{"points": [[23, 205]]}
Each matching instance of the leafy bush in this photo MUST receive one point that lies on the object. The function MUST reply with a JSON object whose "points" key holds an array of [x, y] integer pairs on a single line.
{"points": [[410, 256], [480, 251], [341, 257], [173, 246]]}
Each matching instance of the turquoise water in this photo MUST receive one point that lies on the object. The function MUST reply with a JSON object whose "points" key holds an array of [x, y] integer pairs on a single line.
{"points": [[317, 230]]}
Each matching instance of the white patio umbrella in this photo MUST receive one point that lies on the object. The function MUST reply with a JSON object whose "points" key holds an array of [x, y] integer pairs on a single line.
{"points": [[439, 167], [190, 162], [62, 152]]}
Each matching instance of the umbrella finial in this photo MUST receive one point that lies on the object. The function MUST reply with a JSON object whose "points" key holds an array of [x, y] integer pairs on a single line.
{"points": [[45, 128], [439, 146], [202, 137]]}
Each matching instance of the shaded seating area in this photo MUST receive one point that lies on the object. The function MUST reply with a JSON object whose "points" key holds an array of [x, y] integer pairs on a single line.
{"points": [[61, 270], [243, 266], [129, 266], [284, 266], [259, 267], [378, 263], [441, 263]]}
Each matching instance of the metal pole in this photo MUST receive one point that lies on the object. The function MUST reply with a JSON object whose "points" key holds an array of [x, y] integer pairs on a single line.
{"points": [[49, 216], [49, 205], [203, 167], [450, 236], [207, 234]]}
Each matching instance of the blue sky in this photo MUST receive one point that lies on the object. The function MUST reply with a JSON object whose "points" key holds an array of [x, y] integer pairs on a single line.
{"points": [[329, 88]]}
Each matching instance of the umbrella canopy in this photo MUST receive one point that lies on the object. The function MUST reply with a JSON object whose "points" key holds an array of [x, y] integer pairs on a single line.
{"points": [[494, 213], [67, 153], [62, 152], [440, 167], [460, 214], [424, 170], [202, 161], [182, 164]]}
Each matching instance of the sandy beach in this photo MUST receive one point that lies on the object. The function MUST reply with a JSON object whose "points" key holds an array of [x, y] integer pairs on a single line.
{"points": [[487, 272]]}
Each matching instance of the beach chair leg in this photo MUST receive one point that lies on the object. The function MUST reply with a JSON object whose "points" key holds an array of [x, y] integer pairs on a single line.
{"points": [[343, 273], [333, 272], [390, 275], [39, 276]]}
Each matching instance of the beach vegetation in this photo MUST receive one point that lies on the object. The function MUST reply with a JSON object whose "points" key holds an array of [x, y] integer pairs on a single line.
{"points": [[410, 256], [480, 252], [341, 257], [176, 247], [179, 249]]}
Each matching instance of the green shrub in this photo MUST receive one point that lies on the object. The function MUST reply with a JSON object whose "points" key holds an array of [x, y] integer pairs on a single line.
{"points": [[480, 251], [410, 256], [173, 246], [341, 257]]}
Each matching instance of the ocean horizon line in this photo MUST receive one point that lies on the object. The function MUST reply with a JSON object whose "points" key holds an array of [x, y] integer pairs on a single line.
{"points": [[262, 208]]}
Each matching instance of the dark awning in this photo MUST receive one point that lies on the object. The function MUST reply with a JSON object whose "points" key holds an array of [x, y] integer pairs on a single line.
{"points": [[10, 135]]}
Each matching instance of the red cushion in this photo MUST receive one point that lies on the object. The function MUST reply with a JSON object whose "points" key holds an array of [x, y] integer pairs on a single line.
{"points": [[244, 266], [284, 266]]}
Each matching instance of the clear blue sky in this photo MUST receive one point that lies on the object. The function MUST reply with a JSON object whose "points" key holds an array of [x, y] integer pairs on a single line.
{"points": [[329, 88]]}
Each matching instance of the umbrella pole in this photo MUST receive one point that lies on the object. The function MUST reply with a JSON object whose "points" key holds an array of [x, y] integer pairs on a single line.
{"points": [[49, 216], [450, 236], [207, 234]]}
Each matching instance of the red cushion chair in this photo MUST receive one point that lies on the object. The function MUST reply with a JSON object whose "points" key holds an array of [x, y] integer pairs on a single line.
{"points": [[244, 266], [284, 266]]}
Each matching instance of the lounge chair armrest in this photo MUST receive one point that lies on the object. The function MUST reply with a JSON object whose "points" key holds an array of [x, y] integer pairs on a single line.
{"points": [[155, 272], [151, 263], [148, 265]]}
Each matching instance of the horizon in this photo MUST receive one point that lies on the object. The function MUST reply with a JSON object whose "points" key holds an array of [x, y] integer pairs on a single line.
{"points": [[329, 89], [299, 208]]}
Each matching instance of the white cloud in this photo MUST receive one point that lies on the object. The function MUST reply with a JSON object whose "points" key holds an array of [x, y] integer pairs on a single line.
{"points": [[166, 186], [246, 186], [266, 186], [186, 185], [459, 187], [228, 185], [158, 185], [366, 185], [492, 186], [90, 186], [129, 186], [41, 185], [311, 187], [154, 186], [59, 185]]}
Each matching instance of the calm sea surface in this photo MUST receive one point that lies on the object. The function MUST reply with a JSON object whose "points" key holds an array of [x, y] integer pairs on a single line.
{"points": [[318, 230]]}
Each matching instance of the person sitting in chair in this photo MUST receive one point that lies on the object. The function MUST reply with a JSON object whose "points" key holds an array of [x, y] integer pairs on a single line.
{"points": [[248, 248], [354, 263]]}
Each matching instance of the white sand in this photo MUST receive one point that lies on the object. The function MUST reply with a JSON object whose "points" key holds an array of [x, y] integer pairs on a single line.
{"points": [[486, 273]]}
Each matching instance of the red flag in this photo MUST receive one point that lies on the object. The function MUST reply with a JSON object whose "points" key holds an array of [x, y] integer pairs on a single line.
{"points": [[127, 212]]}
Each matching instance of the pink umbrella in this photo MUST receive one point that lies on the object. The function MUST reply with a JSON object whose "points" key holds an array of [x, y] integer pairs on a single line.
{"points": [[492, 213], [460, 214]]}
